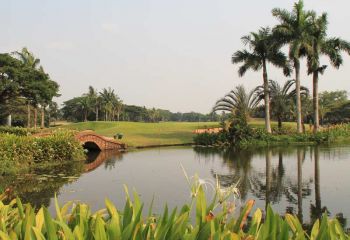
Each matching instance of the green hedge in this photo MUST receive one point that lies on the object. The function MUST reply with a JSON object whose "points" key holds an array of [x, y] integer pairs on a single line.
{"points": [[20, 152]]}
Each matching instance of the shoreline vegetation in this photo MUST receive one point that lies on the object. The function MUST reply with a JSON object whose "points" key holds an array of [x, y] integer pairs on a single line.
{"points": [[20, 151], [213, 220]]}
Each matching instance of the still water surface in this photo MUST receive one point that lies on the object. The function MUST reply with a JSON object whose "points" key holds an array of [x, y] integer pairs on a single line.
{"points": [[304, 180]]}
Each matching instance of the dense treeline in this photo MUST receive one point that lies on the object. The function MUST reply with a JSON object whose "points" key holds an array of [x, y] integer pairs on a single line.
{"points": [[25, 88], [107, 106]]}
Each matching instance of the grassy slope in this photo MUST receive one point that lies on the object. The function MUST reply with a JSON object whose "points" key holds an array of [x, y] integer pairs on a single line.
{"points": [[145, 134]]}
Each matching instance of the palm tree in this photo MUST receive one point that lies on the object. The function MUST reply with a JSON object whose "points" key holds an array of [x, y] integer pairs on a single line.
{"points": [[281, 98], [294, 29], [94, 100], [84, 106], [110, 100], [28, 59], [264, 49], [238, 102], [321, 45]]}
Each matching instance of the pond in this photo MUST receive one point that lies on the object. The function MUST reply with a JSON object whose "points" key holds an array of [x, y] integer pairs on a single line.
{"points": [[304, 180]]}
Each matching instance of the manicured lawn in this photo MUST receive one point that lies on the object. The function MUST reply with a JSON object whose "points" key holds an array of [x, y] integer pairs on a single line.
{"points": [[145, 134]]}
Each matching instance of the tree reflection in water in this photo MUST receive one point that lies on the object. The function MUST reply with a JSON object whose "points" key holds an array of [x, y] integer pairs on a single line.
{"points": [[272, 184], [40, 185]]}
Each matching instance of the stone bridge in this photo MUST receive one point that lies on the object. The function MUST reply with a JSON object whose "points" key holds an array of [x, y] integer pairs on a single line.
{"points": [[91, 140]]}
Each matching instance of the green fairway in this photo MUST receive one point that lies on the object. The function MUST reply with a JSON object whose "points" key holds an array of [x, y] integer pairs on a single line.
{"points": [[137, 134]]}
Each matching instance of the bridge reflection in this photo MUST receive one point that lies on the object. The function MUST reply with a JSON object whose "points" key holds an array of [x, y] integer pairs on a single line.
{"points": [[97, 158]]}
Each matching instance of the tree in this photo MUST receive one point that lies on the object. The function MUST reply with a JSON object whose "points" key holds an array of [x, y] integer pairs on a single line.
{"points": [[238, 102], [28, 60], [294, 29], [10, 82], [264, 49], [321, 45], [281, 98], [94, 100]]}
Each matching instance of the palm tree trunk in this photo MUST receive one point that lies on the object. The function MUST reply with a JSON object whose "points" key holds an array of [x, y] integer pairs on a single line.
{"points": [[28, 115], [35, 116], [297, 90], [42, 117], [9, 120], [96, 113], [315, 101], [267, 99], [279, 122], [85, 116]]}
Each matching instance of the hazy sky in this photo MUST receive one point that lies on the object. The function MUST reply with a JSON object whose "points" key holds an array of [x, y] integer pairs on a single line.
{"points": [[158, 53]]}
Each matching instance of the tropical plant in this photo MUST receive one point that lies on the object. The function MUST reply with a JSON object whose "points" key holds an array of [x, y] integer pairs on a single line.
{"points": [[238, 102], [213, 220], [281, 98], [294, 29], [264, 49], [321, 45]]}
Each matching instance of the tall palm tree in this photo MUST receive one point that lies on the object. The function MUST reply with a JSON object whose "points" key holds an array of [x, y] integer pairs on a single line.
{"points": [[294, 29], [281, 98], [321, 45], [264, 49], [239, 102]]}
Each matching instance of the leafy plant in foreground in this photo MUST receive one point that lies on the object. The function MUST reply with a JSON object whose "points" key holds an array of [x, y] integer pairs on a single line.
{"points": [[213, 220]]}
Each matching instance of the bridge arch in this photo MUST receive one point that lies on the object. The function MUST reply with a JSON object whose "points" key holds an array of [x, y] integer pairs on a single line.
{"points": [[91, 140]]}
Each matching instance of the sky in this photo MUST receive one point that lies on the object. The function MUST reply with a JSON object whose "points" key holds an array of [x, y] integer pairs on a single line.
{"points": [[166, 54]]}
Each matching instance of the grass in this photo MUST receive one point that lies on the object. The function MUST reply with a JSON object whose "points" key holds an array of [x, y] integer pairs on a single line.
{"points": [[140, 134]]}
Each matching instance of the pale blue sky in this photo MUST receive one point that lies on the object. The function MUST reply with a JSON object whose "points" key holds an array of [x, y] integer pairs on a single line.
{"points": [[158, 53]]}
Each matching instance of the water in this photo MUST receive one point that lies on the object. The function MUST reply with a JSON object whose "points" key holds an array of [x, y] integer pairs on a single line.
{"points": [[304, 180]]}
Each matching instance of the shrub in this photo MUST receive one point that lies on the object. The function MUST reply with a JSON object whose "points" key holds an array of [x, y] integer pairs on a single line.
{"points": [[20, 152], [19, 131]]}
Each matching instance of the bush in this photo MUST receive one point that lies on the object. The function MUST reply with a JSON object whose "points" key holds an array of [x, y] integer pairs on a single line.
{"points": [[19, 131], [20, 152]]}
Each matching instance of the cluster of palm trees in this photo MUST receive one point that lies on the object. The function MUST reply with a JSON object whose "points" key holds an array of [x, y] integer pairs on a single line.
{"points": [[106, 105], [305, 33]]}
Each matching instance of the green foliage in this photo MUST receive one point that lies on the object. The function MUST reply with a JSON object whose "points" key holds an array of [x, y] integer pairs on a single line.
{"points": [[20, 152], [214, 220], [243, 135], [18, 131]]}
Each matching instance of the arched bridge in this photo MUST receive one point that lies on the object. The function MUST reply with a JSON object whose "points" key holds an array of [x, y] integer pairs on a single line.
{"points": [[91, 140]]}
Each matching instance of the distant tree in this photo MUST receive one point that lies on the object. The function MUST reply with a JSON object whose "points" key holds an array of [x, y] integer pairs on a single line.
{"points": [[330, 101], [264, 49]]}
